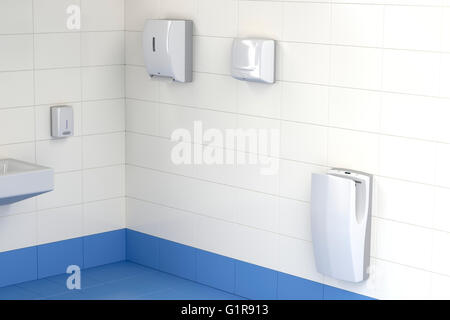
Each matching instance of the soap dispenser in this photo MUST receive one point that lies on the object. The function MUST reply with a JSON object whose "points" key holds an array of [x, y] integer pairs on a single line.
{"points": [[340, 223]]}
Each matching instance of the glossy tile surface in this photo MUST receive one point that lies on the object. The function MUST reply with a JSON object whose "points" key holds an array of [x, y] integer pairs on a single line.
{"points": [[121, 281]]}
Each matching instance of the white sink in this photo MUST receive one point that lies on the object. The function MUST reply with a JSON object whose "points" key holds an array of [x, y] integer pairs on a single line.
{"points": [[21, 180]]}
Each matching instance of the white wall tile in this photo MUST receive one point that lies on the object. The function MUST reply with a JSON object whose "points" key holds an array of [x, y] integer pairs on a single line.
{"points": [[445, 33], [155, 153], [103, 183], [394, 281], [207, 59], [10, 132], [139, 85], [18, 231], [296, 257], [17, 89], [60, 224], [142, 116], [404, 244], [411, 72], [313, 67], [177, 117], [176, 225], [217, 236], [51, 16], [439, 287], [407, 159], [210, 91], [295, 179], [177, 9], [442, 170], [143, 216], [102, 48], [260, 19], [350, 149], [16, 16], [137, 11], [405, 201], [356, 67], [304, 142], [304, 103], [307, 22], [257, 246], [295, 219], [102, 15], [103, 150], [56, 50], [103, 82], [420, 27], [19, 151], [104, 216], [257, 210], [60, 154], [134, 55], [217, 17], [357, 24], [16, 52], [441, 215], [420, 113], [355, 109], [103, 116], [444, 77], [67, 191], [441, 254], [57, 85]]}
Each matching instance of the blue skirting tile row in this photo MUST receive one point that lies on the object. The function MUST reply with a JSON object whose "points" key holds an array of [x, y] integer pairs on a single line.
{"points": [[255, 282], [142, 248], [332, 293], [295, 288], [215, 270], [234, 278], [37, 262], [18, 266], [54, 258], [103, 248], [177, 259]]}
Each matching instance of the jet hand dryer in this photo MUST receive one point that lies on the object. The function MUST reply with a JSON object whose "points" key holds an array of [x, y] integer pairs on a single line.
{"points": [[340, 223]]}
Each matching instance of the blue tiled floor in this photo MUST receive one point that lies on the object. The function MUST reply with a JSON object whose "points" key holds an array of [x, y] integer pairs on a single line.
{"points": [[122, 280]]}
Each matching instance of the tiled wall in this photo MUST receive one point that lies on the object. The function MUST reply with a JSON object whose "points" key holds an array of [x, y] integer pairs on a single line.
{"points": [[42, 63], [361, 84]]}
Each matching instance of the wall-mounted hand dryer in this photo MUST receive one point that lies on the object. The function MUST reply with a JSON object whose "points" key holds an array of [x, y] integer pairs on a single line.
{"points": [[167, 48], [340, 223], [253, 60]]}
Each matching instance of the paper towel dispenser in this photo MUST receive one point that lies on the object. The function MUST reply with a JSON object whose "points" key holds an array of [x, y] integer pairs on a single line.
{"points": [[167, 48], [340, 223]]}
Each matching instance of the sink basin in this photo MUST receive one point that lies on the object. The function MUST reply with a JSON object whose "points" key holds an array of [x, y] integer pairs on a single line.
{"points": [[21, 180]]}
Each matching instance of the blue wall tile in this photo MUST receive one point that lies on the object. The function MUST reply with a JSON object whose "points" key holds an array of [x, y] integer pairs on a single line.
{"points": [[103, 248], [332, 293], [142, 248], [177, 259], [55, 257], [255, 282], [295, 288], [18, 266], [215, 270]]}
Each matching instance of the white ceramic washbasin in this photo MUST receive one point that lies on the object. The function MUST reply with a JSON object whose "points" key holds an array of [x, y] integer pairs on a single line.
{"points": [[21, 180]]}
